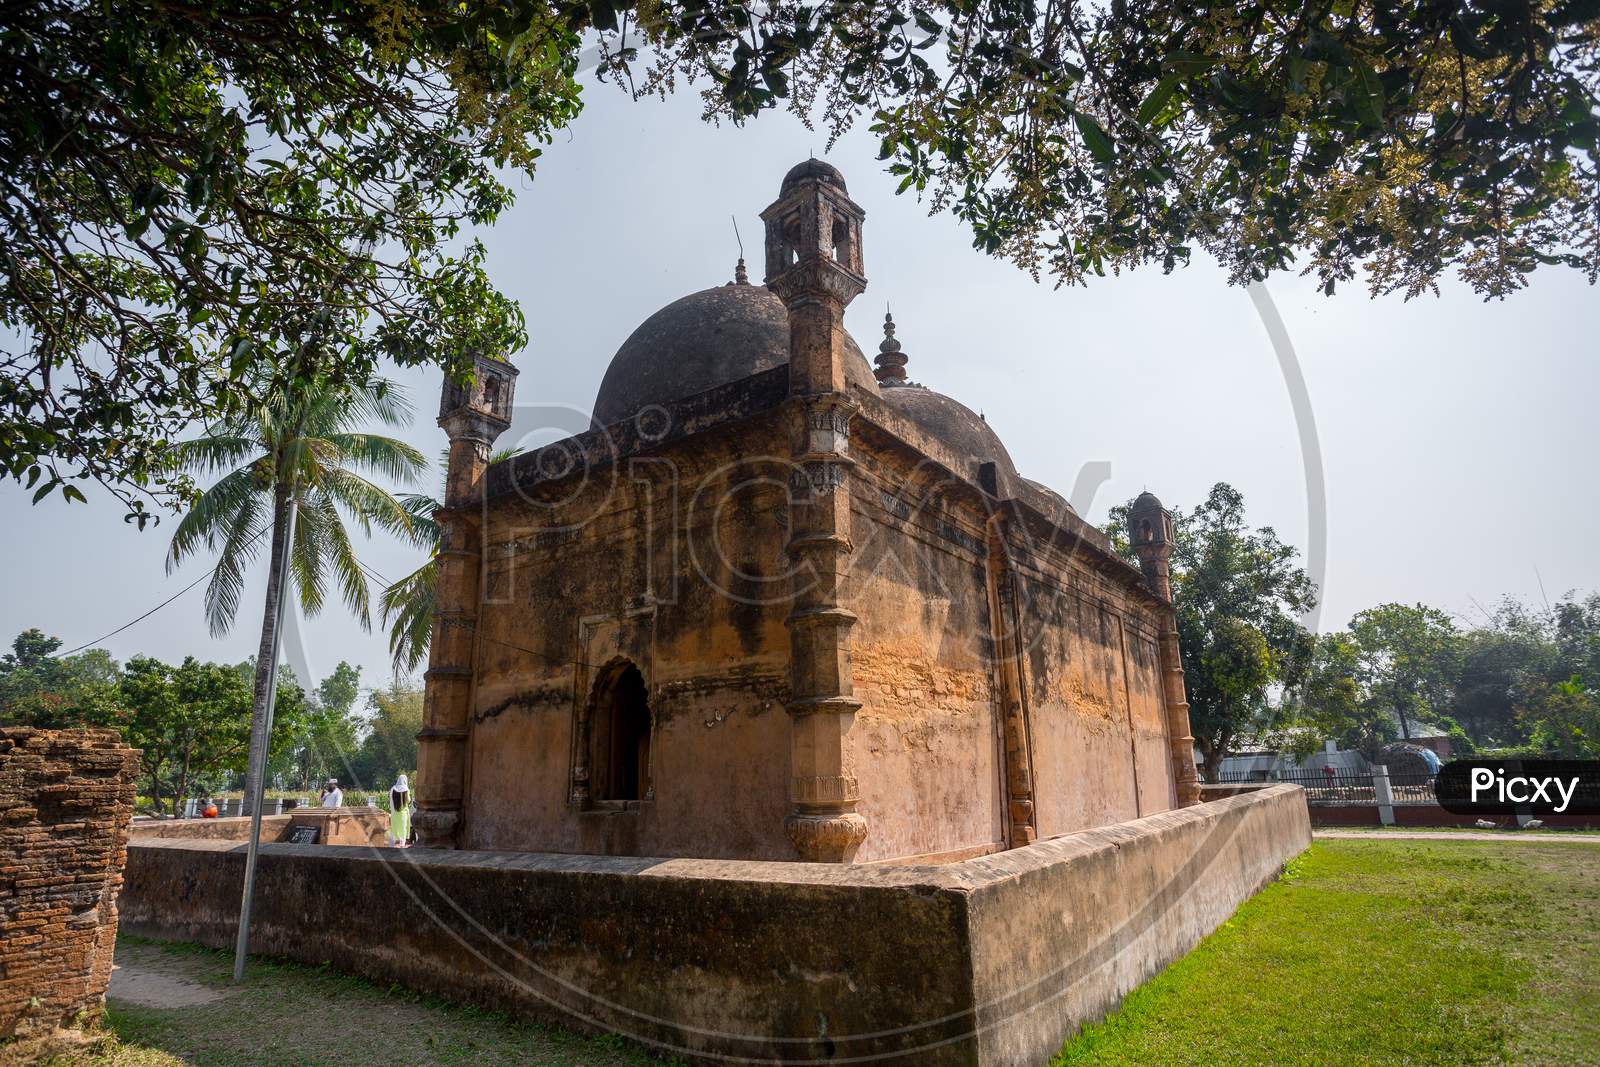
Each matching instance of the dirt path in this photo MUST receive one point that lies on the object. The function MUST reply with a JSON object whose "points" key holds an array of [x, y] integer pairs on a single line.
{"points": [[145, 982]]}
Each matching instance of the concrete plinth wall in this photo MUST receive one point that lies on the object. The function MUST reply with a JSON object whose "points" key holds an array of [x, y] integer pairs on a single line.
{"points": [[336, 826], [66, 797], [989, 961]]}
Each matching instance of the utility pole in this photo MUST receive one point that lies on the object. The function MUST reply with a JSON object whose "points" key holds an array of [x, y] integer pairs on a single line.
{"points": [[261, 746]]}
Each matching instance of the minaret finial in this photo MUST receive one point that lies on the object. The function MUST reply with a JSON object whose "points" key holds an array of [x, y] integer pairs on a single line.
{"points": [[890, 366], [740, 277]]}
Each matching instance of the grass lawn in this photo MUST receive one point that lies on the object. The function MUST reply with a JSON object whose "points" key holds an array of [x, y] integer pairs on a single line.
{"points": [[1384, 952]]}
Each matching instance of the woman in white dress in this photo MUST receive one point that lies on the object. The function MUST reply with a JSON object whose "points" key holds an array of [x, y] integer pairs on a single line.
{"points": [[400, 812]]}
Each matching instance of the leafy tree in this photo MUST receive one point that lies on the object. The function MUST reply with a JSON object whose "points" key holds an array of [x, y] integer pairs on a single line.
{"points": [[1237, 592], [1564, 720], [206, 202], [1576, 633], [390, 746], [1408, 137], [193, 720], [1327, 703], [1499, 665], [40, 689], [312, 445], [1407, 659], [328, 737]]}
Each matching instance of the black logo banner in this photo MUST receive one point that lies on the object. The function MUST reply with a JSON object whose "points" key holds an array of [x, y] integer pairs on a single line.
{"points": [[1509, 786]]}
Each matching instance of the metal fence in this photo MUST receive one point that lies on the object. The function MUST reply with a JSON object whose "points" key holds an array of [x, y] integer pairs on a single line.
{"points": [[1346, 787]]}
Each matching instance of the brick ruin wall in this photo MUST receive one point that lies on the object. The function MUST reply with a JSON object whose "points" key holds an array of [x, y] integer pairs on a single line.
{"points": [[66, 799]]}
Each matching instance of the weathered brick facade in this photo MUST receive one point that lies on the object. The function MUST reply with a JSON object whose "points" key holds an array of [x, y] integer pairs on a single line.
{"points": [[66, 800]]}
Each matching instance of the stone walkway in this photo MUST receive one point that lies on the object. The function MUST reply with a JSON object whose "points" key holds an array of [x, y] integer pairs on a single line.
{"points": [[1448, 835]]}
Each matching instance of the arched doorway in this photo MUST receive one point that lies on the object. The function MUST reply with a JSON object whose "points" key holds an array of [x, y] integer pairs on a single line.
{"points": [[619, 736]]}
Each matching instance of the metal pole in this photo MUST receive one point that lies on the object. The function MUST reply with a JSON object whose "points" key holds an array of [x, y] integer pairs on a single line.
{"points": [[242, 945]]}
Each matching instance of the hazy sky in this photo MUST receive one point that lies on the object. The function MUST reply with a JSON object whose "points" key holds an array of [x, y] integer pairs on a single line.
{"points": [[1458, 436]]}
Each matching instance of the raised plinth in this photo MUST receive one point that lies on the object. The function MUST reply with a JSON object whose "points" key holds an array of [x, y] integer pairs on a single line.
{"points": [[987, 961]]}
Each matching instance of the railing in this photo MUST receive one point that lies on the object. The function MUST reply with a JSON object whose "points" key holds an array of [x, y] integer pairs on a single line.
{"points": [[1346, 787]]}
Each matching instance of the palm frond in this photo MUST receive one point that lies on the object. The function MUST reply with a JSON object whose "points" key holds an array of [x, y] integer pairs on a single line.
{"points": [[370, 504], [346, 567], [239, 549], [407, 608], [215, 514], [421, 507], [387, 456], [217, 452], [306, 562], [379, 399]]}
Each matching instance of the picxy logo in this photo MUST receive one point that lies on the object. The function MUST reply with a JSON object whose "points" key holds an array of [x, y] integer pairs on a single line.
{"points": [[1519, 786], [1522, 789]]}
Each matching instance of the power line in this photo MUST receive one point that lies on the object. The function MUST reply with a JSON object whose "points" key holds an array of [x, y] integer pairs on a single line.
{"points": [[152, 611]]}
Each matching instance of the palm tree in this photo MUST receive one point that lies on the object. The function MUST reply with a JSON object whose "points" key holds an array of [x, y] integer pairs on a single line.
{"points": [[407, 605], [310, 443]]}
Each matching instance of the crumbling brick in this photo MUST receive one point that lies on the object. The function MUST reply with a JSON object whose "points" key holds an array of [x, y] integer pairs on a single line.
{"points": [[66, 800]]}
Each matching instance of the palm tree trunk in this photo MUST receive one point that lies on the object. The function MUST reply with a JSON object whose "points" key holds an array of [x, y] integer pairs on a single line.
{"points": [[257, 761]]}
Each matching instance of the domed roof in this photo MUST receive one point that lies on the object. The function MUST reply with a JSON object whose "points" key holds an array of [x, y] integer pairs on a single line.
{"points": [[1054, 504], [826, 173], [701, 341], [1145, 501], [957, 426]]}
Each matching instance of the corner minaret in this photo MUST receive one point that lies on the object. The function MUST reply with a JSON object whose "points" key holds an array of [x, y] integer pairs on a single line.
{"points": [[472, 414], [1150, 531], [814, 266]]}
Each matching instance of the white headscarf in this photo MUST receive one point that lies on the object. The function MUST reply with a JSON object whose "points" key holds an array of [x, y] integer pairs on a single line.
{"points": [[401, 785]]}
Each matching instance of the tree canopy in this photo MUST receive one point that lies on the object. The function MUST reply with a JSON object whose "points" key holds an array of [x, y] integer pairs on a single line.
{"points": [[1408, 138], [202, 200], [1238, 593]]}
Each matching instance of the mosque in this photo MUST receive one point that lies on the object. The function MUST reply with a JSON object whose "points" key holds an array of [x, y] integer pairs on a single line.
{"points": [[781, 604]]}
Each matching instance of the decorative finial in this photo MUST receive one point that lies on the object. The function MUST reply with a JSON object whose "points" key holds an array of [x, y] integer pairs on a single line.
{"points": [[739, 275], [891, 362]]}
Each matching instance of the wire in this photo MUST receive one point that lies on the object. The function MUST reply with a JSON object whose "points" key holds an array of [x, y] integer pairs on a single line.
{"points": [[152, 611]]}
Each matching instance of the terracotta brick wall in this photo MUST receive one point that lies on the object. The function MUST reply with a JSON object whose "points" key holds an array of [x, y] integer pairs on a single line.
{"points": [[66, 798]]}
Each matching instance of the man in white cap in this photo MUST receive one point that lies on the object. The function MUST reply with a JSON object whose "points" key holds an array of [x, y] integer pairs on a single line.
{"points": [[333, 797]]}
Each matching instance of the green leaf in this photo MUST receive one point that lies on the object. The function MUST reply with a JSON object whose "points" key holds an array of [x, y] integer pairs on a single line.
{"points": [[1096, 138], [1188, 62], [1369, 98], [1158, 98]]}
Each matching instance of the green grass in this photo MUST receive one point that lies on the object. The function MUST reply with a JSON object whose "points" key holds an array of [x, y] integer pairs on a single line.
{"points": [[1384, 952], [291, 1015]]}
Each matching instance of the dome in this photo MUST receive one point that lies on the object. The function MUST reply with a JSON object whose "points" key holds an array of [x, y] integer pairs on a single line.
{"points": [[826, 173], [1050, 504], [704, 340], [957, 426]]}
